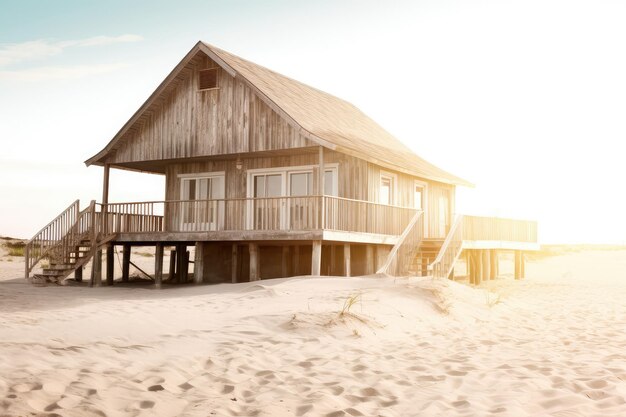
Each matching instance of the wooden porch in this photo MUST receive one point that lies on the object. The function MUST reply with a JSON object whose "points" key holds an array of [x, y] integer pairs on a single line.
{"points": [[393, 236]]}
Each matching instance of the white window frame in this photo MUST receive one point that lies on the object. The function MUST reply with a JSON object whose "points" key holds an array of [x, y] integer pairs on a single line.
{"points": [[424, 186], [393, 194], [219, 224], [285, 184]]}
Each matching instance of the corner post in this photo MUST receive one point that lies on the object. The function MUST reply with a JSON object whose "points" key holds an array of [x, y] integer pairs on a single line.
{"points": [[105, 197], [321, 186]]}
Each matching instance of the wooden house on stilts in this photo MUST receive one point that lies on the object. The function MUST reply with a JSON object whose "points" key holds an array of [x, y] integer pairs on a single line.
{"points": [[267, 177]]}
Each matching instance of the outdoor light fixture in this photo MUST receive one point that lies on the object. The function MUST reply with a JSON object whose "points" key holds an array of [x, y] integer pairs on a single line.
{"points": [[238, 163]]}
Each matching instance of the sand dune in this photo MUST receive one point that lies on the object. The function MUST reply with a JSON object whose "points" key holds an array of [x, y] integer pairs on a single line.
{"points": [[552, 345]]}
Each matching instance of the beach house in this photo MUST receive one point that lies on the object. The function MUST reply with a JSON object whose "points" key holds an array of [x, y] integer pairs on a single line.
{"points": [[268, 177]]}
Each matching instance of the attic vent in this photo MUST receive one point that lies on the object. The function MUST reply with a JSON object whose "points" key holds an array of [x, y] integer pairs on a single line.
{"points": [[208, 79]]}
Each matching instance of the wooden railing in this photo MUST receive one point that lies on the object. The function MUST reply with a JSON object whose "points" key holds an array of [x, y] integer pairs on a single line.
{"points": [[450, 250], [401, 255], [348, 215], [50, 237], [499, 229], [271, 214]]}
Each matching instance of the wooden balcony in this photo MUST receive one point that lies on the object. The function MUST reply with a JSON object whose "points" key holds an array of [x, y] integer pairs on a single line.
{"points": [[274, 218]]}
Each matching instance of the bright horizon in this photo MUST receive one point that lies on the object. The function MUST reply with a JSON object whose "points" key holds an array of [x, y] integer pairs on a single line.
{"points": [[524, 99]]}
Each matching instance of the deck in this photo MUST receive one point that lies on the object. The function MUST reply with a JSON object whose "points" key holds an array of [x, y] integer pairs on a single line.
{"points": [[74, 236]]}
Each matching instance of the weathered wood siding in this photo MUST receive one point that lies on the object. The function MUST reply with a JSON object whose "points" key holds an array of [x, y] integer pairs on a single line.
{"points": [[187, 122], [351, 179]]}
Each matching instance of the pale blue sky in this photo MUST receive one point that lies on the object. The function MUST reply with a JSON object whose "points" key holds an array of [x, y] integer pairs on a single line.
{"points": [[524, 98]]}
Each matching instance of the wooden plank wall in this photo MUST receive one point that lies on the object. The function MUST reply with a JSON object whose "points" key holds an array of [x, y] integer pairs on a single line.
{"points": [[437, 194], [190, 123]]}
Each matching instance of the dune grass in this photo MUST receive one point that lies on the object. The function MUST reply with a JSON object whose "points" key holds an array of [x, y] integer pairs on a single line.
{"points": [[15, 248]]}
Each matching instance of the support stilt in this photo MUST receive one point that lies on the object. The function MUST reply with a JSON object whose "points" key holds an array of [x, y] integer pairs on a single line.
{"points": [[234, 272], [316, 258], [158, 265], [254, 262], [172, 272], [346, 259], [126, 262]]}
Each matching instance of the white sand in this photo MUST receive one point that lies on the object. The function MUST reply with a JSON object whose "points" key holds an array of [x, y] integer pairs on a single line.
{"points": [[552, 345]]}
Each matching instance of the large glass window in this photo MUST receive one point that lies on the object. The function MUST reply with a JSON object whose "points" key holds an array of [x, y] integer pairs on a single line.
{"points": [[203, 206]]}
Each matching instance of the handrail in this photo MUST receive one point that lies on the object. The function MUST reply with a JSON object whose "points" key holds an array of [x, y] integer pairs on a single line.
{"points": [[405, 248], [49, 237], [450, 250], [374, 203]]}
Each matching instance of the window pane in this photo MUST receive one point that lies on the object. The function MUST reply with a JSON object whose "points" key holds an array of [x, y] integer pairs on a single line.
{"points": [[417, 198], [274, 185], [217, 187], [385, 191], [192, 190], [329, 183], [259, 186], [300, 184]]}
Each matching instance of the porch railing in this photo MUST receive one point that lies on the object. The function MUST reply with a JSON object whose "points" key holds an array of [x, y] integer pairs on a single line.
{"points": [[271, 214]]}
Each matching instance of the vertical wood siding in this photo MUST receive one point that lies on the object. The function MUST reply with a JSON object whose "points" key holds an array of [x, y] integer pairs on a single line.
{"points": [[187, 122]]}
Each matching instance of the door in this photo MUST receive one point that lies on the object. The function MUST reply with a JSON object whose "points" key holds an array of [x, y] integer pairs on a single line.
{"points": [[267, 204], [203, 203]]}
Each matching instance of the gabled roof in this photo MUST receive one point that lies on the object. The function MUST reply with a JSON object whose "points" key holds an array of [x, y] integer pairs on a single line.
{"points": [[325, 119]]}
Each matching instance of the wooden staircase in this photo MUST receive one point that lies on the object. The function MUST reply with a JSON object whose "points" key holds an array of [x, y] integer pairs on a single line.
{"points": [[66, 262], [428, 250], [68, 242]]}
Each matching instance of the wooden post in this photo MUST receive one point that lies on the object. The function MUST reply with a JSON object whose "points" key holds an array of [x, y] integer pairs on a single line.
{"points": [[254, 261], [369, 259], [158, 265], [493, 268], [234, 272], [172, 272], [96, 269], [346, 259], [523, 264], [184, 272], [126, 262], [321, 188], [105, 184], [180, 260], [486, 265], [285, 261], [316, 258], [296, 260], [518, 264], [105, 198], [478, 266], [333, 260], [110, 263], [199, 266], [78, 274]]}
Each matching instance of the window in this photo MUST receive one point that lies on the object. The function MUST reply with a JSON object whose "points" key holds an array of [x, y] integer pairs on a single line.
{"points": [[208, 79], [295, 210], [387, 189], [418, 196], [203, 205]]}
